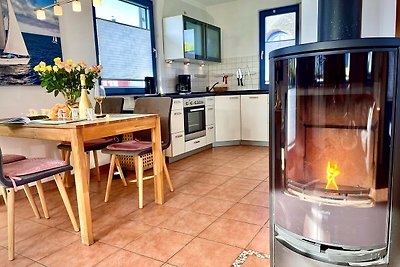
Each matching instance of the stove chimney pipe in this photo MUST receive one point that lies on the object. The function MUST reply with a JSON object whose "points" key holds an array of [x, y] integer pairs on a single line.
{"points": [[339, 19]]}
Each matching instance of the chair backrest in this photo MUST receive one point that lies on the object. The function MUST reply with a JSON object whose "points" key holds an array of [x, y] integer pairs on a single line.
{"points": [[155, 105], [3, 181], [111, 105]]}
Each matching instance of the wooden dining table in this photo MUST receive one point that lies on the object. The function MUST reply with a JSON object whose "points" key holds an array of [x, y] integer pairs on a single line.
{"points": [[79, 132]]}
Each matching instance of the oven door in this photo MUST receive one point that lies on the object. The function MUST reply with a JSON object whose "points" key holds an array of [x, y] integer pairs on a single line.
{"points": [[195, 122]]}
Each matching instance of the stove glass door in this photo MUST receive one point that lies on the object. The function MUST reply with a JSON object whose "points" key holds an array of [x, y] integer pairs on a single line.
{"points": [[335, 115]]}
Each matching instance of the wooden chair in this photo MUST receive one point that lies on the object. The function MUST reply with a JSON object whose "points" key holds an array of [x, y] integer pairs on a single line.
{"points": [[22, 172], [8, 158], [110, 106], [141, 144]]}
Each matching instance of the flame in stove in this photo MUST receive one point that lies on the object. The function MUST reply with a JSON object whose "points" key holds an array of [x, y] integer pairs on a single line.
{"points": [[331, 172]]}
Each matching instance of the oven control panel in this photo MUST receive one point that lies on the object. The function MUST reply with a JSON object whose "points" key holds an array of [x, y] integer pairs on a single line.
{"points": [[192, 102]]}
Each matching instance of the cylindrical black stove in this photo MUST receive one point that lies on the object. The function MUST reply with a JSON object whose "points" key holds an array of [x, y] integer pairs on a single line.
{"points": [[335, 144]]}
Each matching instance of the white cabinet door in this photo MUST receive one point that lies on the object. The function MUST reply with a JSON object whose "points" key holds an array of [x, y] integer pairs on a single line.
{"points": [[195, 143], [177, 121], [255, 117], [227, 118], [210, 134], [210, 115], [177, 146]]}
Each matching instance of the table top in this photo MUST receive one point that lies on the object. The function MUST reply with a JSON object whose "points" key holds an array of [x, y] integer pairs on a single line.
{"points": [[114, 124]]}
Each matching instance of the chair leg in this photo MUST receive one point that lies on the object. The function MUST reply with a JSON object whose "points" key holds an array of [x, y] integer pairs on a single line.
{"points": [[110, 176], [166, 172], [66, 156], [11, 222], [66, 201], [121, 174], [140, 181], [135, 162], [39, 187], [4, 194], [31, 201], [88, 164], [96, 164]]}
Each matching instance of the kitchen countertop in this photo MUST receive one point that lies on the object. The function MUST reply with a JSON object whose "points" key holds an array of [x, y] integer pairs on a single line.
{"points": [[204, 94], [128, 109]]}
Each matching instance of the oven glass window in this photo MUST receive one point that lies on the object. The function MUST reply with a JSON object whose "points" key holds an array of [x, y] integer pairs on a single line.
{"points": [[195, 121]]}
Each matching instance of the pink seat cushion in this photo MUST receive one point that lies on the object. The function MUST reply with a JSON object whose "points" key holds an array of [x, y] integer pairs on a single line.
{"points": [[31, 166], [8, 158], [134, 145], [95, 142]]}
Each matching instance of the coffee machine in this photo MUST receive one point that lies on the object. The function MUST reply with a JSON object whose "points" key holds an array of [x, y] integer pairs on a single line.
{"points": [[184, 84]]}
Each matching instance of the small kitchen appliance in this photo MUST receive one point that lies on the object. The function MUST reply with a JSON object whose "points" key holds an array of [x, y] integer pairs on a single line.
{"points": [[184, 84]]}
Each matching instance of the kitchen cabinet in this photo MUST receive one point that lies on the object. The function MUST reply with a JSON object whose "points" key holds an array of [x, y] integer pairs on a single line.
{"points": [[227, 118], [255, 117], [195, 143], [210, 120], [213, 43], [188, 39], [177, 129], [210, 134]]}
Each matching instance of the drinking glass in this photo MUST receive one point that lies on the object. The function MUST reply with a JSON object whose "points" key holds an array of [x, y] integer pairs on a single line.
{"points": [[99, 95]]}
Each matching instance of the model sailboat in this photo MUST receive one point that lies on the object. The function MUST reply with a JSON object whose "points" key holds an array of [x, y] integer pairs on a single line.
{"points": [[12, 43]]}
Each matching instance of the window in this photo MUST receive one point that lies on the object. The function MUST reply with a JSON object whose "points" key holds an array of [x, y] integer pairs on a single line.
{"points": [[279, 27], [125, 45]]}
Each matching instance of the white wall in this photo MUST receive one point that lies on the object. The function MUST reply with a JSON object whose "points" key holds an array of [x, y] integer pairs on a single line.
{"points": [[77, 41], [239, 23], [378, 18], [309, 21]]}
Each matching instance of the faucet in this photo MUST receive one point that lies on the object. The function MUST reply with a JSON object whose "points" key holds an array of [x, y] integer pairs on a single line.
{"points": [[208, 89]]}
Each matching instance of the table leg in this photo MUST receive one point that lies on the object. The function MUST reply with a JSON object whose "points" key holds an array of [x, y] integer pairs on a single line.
{"points": [[82, 188], [157, 163]]}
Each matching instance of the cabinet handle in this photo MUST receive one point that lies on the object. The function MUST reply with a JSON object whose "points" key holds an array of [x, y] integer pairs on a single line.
{"points": [[179, 136], [210, 109], [253, 97], [196, 142], [177, 113], [234, 97], [210, 128]]}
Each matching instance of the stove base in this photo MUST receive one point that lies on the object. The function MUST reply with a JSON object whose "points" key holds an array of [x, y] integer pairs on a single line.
{"points": [[284, 257]]}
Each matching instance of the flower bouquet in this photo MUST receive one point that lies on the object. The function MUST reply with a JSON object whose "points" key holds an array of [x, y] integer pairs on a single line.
{"points": [[64, 78]]}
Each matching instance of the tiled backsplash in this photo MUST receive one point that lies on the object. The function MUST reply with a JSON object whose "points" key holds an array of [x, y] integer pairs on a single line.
{"points": [[214, 72], [250, 69], [199, 76]]}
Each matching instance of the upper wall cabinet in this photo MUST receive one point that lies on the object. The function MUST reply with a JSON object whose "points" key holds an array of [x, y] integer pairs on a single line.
{"points": [[187, 38]]}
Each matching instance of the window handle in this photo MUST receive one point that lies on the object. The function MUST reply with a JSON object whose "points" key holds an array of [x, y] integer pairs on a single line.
{"points": [[262, 55], [155, 53]]}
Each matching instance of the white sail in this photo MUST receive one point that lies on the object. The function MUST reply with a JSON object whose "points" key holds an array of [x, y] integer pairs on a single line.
{"points": [[2, 29], [15, 42]]}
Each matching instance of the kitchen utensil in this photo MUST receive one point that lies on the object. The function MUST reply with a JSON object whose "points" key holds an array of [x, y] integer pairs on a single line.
{"points": [[240, 76], [225, 79]]}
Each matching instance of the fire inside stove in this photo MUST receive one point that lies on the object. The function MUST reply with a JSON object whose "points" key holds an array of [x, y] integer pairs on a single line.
{"points": [[331, 173]]}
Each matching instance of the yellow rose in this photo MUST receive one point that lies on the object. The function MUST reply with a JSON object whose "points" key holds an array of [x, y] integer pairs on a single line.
{"points": [[42, 68], [74, 65], [69, 62], [49, 68], [55, 68], [36, 68], [57, 59]]}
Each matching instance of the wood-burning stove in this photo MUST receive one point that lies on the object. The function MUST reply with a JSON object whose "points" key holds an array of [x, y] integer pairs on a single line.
{"points": [[335, 185]]}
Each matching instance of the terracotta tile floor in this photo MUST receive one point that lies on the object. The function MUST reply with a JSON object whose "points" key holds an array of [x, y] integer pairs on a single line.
{"points": [[218, 209]]}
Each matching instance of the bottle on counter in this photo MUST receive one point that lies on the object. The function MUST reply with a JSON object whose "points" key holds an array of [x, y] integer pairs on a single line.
{"points": [[84, 102]]}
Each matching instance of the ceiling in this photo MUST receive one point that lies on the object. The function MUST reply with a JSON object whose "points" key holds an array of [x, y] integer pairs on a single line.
{"points": [[213, 2]]}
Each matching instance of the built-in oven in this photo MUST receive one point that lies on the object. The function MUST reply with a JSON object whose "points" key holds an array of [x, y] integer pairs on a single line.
{"points": [[195, 118]]}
